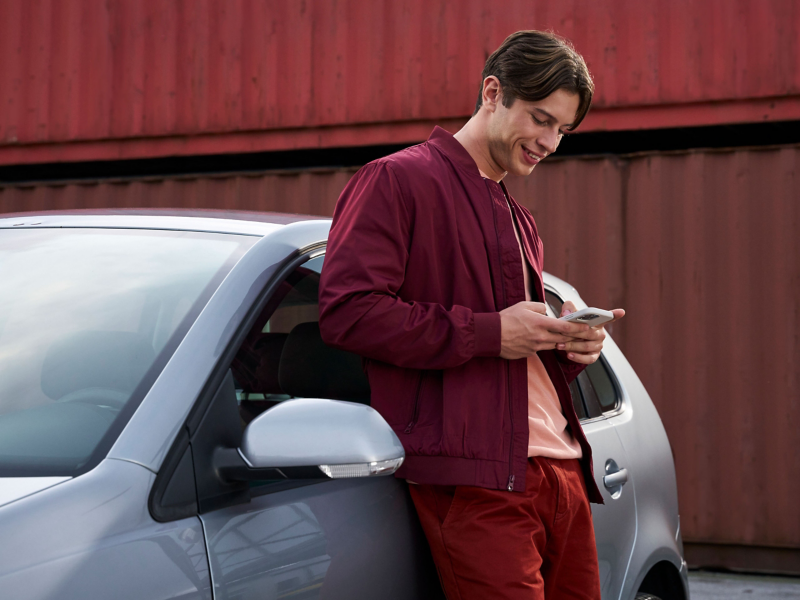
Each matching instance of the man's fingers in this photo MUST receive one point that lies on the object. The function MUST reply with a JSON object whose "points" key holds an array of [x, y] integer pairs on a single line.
{"points": [[581, 347], [567, 328], [555, 338], [618, 314], [537, 307], [584, 359], [567, 308]]}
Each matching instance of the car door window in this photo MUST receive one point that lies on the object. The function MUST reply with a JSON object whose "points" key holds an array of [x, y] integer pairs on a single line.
{"points": [[256, 367], [600, 385], [598, 390], [593, 391], [582, 408], [577, 400]]}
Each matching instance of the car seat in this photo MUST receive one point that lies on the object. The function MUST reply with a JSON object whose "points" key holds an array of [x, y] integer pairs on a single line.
{"points": [[311, 369]]}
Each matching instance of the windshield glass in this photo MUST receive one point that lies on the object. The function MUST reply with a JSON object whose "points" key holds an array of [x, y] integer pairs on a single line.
{"points": [[88, 318]]}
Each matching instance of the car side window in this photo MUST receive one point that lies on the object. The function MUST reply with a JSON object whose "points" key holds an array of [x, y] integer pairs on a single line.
{"points": [[593, 390], [555, 303], [256, 367], [577, 400], [603, 388]]}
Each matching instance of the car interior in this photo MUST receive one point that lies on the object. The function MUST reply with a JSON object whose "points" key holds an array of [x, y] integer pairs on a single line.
{"points": [[295, 365], [283, 355]]}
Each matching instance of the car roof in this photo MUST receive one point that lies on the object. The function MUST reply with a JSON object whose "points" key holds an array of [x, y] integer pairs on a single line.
{"points": [[212, 221]]}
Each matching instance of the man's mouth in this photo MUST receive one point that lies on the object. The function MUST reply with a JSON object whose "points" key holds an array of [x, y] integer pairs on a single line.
{"points": [[535, 158]]}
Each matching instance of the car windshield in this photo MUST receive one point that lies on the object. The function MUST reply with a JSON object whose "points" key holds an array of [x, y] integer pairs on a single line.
{"points": [[88, 318]]}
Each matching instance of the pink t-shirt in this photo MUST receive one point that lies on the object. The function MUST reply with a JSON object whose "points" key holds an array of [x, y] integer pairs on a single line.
{"points": [[547, 427]]}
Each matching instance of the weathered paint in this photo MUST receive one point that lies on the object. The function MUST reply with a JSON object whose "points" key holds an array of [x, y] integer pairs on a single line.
{"points": [[100, 79], [701, 248]]}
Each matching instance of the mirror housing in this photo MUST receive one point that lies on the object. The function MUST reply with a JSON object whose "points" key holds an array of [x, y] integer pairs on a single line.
{"points": [[310, 438]]}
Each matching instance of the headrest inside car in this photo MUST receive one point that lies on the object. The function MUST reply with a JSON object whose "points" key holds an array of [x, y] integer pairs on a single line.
{"points": [[310, 369], [115, 360], [256, 364]]}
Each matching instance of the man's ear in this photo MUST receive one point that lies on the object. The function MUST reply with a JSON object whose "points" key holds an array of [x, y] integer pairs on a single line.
{"points": [[491, 93]]}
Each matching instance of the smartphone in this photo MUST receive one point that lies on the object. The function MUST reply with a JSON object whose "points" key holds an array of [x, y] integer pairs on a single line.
{"points": [[590, 316]]}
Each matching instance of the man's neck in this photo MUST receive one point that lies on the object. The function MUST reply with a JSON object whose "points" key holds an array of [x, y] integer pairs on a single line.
{"points": [[474, 141]]}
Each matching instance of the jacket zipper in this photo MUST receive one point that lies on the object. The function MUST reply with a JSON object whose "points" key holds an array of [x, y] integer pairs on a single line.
{"points": [[511, 444], [508, 371], [413, 421]]}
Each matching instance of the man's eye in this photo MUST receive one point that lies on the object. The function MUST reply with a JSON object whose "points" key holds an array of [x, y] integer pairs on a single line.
{"points": [[538, 122]]}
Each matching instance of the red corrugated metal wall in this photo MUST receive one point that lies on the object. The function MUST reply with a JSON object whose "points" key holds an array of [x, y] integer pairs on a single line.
{"points": [[98, 79], [701, 248], [311, 192]]}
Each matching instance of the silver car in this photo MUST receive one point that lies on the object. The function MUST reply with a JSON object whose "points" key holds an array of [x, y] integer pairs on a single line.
{"points": [[172, 426]]}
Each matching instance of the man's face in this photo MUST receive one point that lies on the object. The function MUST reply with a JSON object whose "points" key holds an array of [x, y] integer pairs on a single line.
{"points": [[522, 135]]}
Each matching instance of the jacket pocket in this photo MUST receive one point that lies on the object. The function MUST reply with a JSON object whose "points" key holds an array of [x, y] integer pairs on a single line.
{"points": [[412, 422], [476, 419]]}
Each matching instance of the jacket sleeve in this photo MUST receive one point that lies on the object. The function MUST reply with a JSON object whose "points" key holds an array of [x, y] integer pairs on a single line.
{"points": [[570, 369], [364, 268]]}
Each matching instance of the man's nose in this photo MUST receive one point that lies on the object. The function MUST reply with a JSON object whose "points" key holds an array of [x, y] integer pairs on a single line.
{"points": [[549, 140]]}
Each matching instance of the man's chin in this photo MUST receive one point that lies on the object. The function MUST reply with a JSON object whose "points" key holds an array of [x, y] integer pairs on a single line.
{"points": [[521, 170]]}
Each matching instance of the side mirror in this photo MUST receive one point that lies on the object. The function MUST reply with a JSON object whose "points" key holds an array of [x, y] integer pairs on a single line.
{"points": [[309, 438]]}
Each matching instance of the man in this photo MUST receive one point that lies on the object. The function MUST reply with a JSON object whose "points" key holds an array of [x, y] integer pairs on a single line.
{"points": [[434, 275]]}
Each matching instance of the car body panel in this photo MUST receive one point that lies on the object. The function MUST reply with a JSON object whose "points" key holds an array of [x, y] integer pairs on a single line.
{"points": [[348, 538], [16, 488], [93, 537], [615, 521]]}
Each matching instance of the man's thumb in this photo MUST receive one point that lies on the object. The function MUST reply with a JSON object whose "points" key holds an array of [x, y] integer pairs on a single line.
{"points": [[538, 307]]}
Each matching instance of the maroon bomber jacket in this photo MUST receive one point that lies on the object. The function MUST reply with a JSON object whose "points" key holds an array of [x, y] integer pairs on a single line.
{"points": [[421, 258]]}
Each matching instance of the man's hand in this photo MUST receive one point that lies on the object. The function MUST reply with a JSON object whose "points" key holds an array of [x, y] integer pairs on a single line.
{"points": [[525, 329], [585, 348]]}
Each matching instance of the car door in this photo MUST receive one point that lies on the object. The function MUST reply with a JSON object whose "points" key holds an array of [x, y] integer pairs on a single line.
{"points": [[598, 403], [345, 538]]}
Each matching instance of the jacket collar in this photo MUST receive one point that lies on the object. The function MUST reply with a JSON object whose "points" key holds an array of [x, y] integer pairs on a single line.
{"points": [[457, 154], [460, 158]]}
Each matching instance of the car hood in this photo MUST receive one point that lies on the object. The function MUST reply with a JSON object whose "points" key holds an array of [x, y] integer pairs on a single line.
{"points": [[14, 488]]}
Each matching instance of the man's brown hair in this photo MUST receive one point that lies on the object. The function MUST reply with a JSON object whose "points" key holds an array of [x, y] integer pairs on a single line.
{"points": [[531, 65]]}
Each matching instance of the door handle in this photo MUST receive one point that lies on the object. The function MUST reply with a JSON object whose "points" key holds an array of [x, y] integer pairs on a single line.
{"points": [[616, 479]]}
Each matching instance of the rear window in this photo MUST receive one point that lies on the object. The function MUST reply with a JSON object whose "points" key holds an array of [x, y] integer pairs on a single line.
{"points": [[88, 318]]}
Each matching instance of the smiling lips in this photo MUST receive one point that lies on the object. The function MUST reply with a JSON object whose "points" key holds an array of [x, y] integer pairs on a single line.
{"points": [[532, 157]]}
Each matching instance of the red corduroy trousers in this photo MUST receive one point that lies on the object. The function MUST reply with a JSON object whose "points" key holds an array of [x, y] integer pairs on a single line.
{"points": [[534, 545]]}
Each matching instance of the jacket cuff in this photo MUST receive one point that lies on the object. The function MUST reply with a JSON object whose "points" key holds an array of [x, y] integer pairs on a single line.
{"points": [[487, 334]]}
